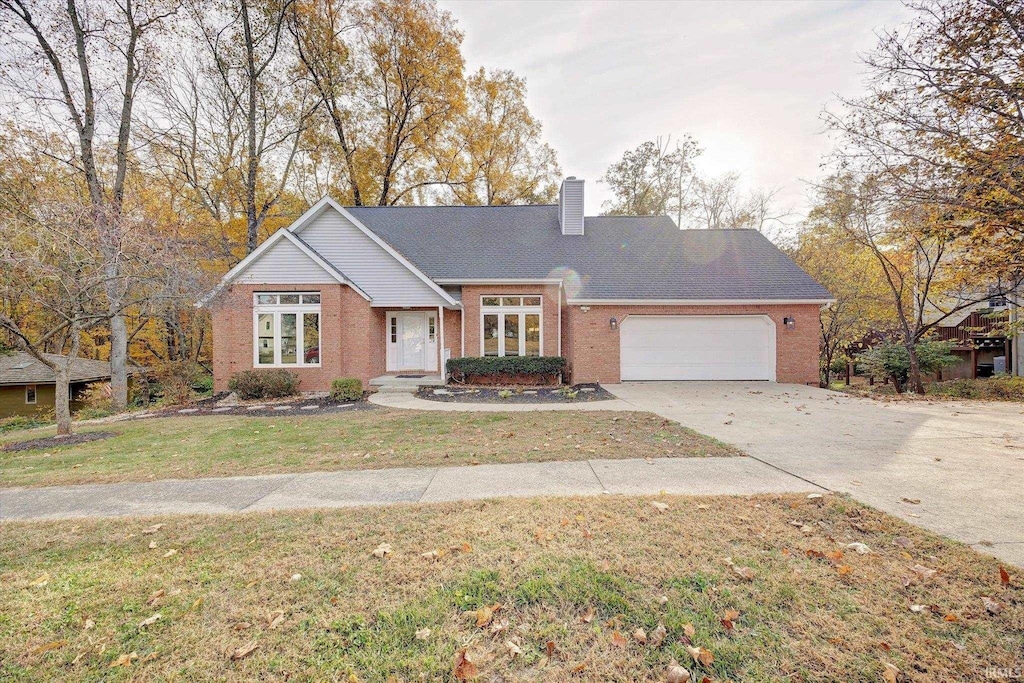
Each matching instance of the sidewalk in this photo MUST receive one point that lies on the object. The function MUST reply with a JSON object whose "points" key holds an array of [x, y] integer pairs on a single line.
{"points": [[409, 401], [739, 475]]}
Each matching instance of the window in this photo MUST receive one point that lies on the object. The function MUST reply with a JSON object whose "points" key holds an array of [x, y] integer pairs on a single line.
{"points": [[432, 329], [30, 394], [287, 330], [996, 298], [510, 325]]}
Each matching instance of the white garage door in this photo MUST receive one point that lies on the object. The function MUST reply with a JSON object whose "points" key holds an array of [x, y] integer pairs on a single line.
{"points": [[697, 347]]}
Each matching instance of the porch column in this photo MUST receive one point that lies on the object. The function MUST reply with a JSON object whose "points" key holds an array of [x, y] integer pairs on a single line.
{"points": [[974, 363], [440, 346]]}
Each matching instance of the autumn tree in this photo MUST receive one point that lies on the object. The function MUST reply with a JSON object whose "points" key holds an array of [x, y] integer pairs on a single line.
{"points": [[654, 179], [80, 68]]}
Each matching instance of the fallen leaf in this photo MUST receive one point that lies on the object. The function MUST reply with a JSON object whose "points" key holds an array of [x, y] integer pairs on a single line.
{"points": [[549, 648], [992, 606], [498, 626], [689, 630], [46, 647], [951, 618], [422, 634], [924, 573], [1004, 576], [903, 542], [464, 668], [659, 506], [381, 550], [890, 674], [152, 545], [197, 604], [124, 660], [676, 673], [431, 555], [912, 501], [275, 619], [745, 573], [657, 636], [153, 529], [154, 596], [484, 616], [588, 616], [917, 609], [859, 548], [619, 640], [244, 651], [241, 626], [640, 636], [663, 600], [149, 621], [40, 580], [700, 655], [512, 649], [844, 570], [89, 623], [814, 496], [731, 614], [170, 553]]}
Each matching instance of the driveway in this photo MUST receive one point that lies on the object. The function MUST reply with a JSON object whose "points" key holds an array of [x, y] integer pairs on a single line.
{"points": [[964, 461]]}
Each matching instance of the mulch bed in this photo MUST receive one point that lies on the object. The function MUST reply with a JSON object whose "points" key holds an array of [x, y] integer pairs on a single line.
{"points": [[584, 393], [57, 441], [315, 405]]}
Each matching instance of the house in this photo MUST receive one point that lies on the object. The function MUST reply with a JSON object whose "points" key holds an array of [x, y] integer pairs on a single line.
{"points": [[982, 339], [27, 386], [366, 292]]}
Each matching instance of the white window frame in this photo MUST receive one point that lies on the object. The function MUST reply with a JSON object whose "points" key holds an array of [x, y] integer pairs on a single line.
{"points": [[502, 310], [277, 310], [35, 394]]}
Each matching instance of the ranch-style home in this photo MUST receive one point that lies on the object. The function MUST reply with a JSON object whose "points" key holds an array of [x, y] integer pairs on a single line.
{"points": [[376, 292]]}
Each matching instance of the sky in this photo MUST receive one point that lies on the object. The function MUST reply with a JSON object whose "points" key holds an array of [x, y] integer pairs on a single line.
{"points": [[748, 80]]}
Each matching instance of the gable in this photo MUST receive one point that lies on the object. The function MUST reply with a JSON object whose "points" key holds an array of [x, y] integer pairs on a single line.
{"points": [[283, 263], [387, 280]]}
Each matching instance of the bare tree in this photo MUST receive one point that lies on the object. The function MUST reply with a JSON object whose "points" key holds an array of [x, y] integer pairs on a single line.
{"points": [[654, 179], [86, 64]]}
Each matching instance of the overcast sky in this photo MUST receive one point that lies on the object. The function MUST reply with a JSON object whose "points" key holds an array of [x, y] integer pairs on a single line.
{"points": [[747, 79]]}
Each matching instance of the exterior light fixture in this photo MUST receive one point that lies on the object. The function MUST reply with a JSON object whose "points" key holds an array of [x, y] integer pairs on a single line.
{"points": [[585, 309], [789, 322], [614, 323]]}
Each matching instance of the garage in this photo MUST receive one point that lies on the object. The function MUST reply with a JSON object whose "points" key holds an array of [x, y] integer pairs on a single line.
{"points": [[697, 347]]}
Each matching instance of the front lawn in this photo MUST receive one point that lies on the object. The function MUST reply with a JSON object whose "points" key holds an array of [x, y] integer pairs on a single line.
{"points": [[609, 589], [190, 447]]}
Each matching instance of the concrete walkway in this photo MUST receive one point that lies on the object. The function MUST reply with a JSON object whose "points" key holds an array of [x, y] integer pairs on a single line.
{"points": [[405, 485], [409, 401]]}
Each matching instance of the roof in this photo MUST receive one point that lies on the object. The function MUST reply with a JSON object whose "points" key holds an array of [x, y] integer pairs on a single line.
{"points": [[617, 257], [21, 368]]}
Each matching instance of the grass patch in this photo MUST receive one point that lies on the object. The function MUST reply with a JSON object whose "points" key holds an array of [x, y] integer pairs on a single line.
{"points": [[190, 447], [547, 562]]}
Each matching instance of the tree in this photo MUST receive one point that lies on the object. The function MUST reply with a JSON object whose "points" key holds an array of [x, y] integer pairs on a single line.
{"points": [[893, 360], [654, 179], [85, 65], [720, 205], [496, 146]]}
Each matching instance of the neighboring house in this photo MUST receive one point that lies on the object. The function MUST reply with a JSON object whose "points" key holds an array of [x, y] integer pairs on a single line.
{"points": [[980, 339], [27, 386], [363, 292]]}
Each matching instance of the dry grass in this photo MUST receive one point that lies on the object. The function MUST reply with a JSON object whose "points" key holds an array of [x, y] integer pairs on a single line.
{"points": [[547, 561], [190, 447]]}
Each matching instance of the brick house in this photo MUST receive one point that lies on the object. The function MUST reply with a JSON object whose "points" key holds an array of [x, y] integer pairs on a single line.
{"points": [[369, 292]]}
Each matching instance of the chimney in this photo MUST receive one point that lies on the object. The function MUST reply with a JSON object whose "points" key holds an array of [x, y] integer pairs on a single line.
{"points": [[570, 206]]}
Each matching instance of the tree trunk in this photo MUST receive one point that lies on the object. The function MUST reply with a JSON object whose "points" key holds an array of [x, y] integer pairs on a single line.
{"points": [[914, 382], [62, 399]]}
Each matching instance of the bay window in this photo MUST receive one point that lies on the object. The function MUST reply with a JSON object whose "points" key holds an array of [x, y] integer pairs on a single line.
{"points": [[510, 325], [287, 329]]}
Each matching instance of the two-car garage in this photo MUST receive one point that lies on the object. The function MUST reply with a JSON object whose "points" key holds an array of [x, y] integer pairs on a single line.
{"points": [[697, 347]]}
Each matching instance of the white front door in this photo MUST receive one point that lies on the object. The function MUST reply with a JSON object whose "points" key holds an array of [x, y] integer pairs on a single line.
{"points": [[411, 340]]}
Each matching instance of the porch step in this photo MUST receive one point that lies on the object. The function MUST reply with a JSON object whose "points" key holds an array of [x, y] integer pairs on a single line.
{"points": [[406, 384]]}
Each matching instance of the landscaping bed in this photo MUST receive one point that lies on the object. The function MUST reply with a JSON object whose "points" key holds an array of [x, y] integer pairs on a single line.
{"points": [[51, 442], [455, 393], [203, 445], [315, 404], [763, 588]]}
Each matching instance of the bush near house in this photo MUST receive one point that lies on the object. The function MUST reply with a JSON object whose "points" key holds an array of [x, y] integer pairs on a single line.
{"points": [[346, 389], [890, 360], [1000, 388], [507, 369], [254, 384]]}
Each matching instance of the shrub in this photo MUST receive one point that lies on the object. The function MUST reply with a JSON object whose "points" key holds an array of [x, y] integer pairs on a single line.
{"points": [[253, 384], [346, 389], [505, 393], [1000, 388], [507, 369], [96, 400], [892, 360], [178, 380]]}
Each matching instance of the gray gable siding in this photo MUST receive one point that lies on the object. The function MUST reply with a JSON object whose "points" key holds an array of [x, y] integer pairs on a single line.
{"points": [[284, 264], [384, 279]]}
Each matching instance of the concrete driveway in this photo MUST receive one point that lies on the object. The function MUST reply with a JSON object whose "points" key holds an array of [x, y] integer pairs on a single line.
{"points": [[964, 461]]}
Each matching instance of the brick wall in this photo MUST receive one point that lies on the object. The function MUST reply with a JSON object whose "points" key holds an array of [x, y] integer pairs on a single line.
{"points": [[471, 303], [592, 347], [351, 335]]}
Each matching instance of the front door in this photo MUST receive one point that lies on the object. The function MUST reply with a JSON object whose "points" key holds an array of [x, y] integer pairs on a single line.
{"points": [[412, 340]]}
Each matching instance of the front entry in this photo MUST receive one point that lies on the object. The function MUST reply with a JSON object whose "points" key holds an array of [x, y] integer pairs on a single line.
{"points": [[412, 341]]}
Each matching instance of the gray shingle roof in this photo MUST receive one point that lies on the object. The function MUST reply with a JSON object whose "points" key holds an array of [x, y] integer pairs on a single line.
{"points": [[618, 257], [21, 368]]}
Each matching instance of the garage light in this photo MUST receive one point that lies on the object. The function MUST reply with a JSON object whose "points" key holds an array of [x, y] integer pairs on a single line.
{"points": [[614, 323], [789, 322]]}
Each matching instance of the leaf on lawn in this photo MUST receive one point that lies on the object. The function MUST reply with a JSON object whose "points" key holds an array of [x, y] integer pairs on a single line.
{"points": [[619, 640], [659, 506], [498, 626], [89, 623], [731, 615], [745, 573], [241, 626], [484, 616], [922, 572], [700, 655], [859, 548], [550, 648], [815, 554], [46, 647], [657, 636], [40, 580], [663, 600], [124, 660], [844, 570], [835, 557], [152, 529], [431, 555], [154, 596], [676, 673], [588, 616], [244, 651], [917, 609], [152, 545], [170, 553], [689, 630], [197, 604], [640, 636], [512, 649], [1004, 576], [422, 634], [903, 542], [951, 618], [992, 606], [814, 496], [890, 674], [381, 550], [464, 668], [275, 619], [149, 621]]}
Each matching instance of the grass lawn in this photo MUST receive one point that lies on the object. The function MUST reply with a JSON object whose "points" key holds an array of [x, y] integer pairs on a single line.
{"points": [[189, 447], [543, 589]]}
